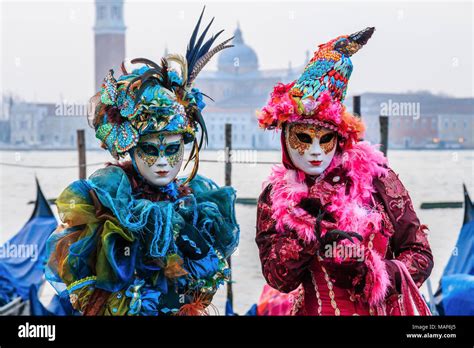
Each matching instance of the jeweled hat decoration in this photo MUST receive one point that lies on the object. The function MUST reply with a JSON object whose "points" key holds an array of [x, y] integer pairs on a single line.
{"points": [[317, 95], [155, 98]]}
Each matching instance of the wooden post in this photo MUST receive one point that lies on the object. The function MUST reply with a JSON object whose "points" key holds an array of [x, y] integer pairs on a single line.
{"points": [[228, 182], [356, 105], [383, 121], [81, 148], [228, 149], [356, 108]]}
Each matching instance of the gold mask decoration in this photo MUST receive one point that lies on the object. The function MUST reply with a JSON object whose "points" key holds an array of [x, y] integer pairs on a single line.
{"points": [[301, 136], [150, 152]]}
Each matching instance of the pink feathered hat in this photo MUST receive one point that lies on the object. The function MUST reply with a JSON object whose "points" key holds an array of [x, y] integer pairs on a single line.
{"points": [[317, 95]]}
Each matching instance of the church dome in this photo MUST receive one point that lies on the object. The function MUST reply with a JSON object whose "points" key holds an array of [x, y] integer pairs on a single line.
{"points": [[239, 59]]}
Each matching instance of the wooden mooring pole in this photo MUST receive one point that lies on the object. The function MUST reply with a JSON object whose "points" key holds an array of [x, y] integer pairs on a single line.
{"points": [[383, 122], [356, 108], [356, 105], [81, 149], [228, 182]]}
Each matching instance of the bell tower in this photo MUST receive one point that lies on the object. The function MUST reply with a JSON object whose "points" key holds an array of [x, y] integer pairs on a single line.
{"points": [[109, 39]]}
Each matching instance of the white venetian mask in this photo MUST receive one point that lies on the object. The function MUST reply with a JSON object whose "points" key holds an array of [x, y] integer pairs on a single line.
{"points": [[159, 157], [311, 148]]}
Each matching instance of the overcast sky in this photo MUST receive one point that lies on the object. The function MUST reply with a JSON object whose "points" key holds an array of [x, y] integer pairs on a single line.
{"points": [[47, 47]]}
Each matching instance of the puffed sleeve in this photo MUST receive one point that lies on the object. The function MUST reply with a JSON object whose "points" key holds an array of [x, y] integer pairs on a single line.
{"points": [[208, 234], [283, 255], [408, 243], [90, 250]]}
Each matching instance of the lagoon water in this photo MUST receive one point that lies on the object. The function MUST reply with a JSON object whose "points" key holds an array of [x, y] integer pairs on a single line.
{"points": [[429, 176]]}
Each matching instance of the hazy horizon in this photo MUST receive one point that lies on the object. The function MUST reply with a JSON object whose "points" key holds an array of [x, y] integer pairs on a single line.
{"points": [[47, 50]]}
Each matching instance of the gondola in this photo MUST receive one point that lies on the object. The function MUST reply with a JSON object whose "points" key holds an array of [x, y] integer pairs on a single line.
{"points": [[455, 294], [24, 255]]}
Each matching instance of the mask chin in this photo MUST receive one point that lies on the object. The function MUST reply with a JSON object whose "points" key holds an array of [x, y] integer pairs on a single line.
{"points": [[311, 166]]}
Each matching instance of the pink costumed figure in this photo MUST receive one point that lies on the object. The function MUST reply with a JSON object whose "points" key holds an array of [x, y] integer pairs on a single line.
{"points": [[336, 229]]}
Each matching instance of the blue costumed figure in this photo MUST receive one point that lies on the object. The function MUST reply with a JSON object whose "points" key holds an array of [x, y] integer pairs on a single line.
{"points": [[134, 238]]}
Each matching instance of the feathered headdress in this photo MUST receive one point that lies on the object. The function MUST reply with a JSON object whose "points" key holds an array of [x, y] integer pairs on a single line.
{"points": [[317, 95], [156, 98]]}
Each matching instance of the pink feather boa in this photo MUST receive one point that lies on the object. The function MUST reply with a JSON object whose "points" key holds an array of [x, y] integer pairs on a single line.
{"points": [[353, 211]]}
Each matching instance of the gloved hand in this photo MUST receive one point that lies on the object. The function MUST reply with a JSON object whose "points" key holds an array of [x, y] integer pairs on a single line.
{"points": [[334, 236], [349, 274], [191, 243], [331, 236], [312, 206]]}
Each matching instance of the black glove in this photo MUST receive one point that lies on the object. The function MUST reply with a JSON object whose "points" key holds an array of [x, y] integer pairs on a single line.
{"points": [[333, 235], [188, 236], [337, 235], [343, 274], [312, 206]]}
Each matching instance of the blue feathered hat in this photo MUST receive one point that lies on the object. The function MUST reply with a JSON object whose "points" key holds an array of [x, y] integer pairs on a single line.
{"points": [[155, 98]]}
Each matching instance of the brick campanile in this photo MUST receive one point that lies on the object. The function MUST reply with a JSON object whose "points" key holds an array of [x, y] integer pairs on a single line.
{"points": [[109, 39]]}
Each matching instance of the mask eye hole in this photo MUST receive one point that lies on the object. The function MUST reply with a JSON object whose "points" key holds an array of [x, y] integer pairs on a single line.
{"points": [[172, 149], [326, 138], [149, 149], [304, 138]]}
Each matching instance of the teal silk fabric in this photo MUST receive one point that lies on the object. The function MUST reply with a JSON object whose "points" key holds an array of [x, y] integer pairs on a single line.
{"points": [[158, 255]]}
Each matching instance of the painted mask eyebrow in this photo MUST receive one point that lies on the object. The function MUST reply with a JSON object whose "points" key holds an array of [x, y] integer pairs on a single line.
{"points": [[158, 144], [155, 149], [149, 152]]}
